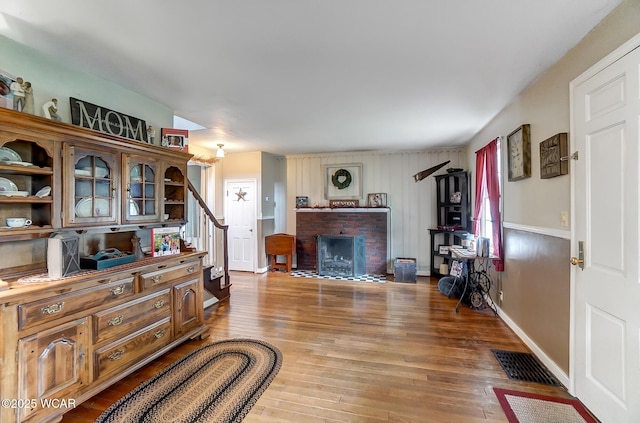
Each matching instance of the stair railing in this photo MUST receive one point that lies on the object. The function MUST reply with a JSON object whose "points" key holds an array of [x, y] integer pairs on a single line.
{"points": [[210, 243]]}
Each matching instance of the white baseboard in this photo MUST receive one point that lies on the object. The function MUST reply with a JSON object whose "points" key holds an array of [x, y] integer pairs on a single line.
{"points": [[562, 377], [262, 269]]}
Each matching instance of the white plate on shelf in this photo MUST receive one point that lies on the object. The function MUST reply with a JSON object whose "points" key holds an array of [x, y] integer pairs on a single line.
{"points": [[100, 172], [15, 193], [7, 185], [135, 173], [8, 155], [43, 192], [101, 207], [18, 163], [134, 210]]}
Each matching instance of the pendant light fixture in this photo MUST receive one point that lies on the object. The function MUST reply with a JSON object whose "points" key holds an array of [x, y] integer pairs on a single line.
{"points": [[220, 151]]}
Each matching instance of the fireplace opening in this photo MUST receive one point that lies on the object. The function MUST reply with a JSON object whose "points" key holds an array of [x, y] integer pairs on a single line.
{"points": [[341, 255]]}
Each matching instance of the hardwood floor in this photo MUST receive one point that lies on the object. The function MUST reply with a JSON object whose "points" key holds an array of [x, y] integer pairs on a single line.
{"points": [[357, 352]]}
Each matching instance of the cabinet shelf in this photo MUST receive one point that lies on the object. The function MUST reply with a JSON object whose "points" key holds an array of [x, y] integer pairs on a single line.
{"points": [[24, 170], [25, 234], [452, 211], [441, 237], [27, 200]]}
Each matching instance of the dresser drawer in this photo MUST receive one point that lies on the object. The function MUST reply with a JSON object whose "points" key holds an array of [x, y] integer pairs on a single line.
{"points": [[158, 277], [31, 314], [129, 350], [128, 317]]}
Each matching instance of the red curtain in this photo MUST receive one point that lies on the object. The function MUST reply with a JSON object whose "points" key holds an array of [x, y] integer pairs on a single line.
{"points": [[487, 171]]}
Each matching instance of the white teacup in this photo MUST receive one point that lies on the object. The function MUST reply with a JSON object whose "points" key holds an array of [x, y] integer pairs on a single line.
{"points": [[18, 222]]}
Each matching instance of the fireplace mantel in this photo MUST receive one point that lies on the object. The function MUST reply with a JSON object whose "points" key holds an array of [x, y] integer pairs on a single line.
{"points": [[370, 222]]}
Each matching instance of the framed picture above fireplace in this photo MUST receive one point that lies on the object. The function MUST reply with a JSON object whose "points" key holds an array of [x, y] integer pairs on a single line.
{"points": [[343, 181]]}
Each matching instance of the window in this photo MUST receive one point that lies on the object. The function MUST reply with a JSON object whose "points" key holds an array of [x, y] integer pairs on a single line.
{"points": [[486, 225], [486, 213]]}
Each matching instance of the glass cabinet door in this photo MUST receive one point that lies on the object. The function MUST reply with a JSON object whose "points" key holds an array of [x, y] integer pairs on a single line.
{"points": [[93, 187], [142, 189]]}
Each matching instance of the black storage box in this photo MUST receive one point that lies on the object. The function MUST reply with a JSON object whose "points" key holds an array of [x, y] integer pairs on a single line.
{"points": [[404, 270]]}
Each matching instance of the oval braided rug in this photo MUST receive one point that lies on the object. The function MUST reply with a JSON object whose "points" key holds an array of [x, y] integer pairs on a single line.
{"points": [[219, 382]]}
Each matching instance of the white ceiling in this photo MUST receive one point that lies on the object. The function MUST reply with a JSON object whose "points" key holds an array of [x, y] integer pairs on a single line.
{"points": [[301, 76]]}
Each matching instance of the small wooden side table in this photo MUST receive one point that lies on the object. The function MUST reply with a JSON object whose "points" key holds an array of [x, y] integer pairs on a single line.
{"points": [[280, 245]]}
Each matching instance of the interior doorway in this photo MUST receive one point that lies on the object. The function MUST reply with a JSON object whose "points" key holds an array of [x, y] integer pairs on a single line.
{"points": [[605, 373], [240, 215]]}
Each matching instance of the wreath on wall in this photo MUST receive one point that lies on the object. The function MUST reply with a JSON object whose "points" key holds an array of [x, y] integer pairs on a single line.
{"points": [[338, 181]]}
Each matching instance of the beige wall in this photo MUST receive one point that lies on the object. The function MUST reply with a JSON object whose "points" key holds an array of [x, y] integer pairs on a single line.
{"points": [[545, 106], [268, 171], [534, 205]]}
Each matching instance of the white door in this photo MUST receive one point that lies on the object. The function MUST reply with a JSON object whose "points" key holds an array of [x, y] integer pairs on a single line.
{"points": [[240, 215], [606, 309]]}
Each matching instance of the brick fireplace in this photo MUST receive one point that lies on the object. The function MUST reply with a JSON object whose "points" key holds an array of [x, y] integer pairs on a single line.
{"points": [[368, 222]]}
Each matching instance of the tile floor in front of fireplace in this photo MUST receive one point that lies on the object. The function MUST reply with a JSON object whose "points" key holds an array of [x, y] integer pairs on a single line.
{"points": [[362, 278]]}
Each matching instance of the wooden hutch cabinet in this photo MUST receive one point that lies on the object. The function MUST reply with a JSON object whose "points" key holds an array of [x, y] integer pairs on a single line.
{"points": [[67, 339]]}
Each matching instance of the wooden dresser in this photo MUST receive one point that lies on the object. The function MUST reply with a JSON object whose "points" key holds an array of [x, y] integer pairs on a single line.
{"points": [[64, 340], [69, 339]]}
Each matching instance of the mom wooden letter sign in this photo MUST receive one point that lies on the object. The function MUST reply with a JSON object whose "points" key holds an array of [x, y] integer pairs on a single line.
{"points": [[107, 121]]}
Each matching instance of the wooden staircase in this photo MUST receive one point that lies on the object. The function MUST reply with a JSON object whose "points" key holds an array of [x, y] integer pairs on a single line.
{"points": [[216, 278]]}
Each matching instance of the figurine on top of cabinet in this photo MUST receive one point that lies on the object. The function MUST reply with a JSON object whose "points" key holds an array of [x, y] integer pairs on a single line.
{"points": [[50, 110], [17, 89]]}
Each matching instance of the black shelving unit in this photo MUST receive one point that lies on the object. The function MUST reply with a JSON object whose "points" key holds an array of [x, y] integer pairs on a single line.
{"points": [[443, 237], [453, 222], [452, 200]]}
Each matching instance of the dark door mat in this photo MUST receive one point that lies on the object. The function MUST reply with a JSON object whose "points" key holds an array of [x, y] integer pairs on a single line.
{"points": [[524, 367]]}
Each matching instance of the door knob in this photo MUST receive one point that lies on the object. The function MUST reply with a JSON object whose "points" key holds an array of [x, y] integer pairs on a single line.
{"points": [[579, 261]]}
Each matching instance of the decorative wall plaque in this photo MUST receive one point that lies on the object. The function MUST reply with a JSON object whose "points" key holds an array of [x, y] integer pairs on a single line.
{"points": [[344, 203], [551, 151], [88, 115]]}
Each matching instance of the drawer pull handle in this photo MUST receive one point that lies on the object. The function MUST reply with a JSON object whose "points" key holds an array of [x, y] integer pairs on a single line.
{"points": [[158, 304], [116, 355], [156, 278], [191, 269], [159, 334], [53, 308], [116, 320], [117, 290]]}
